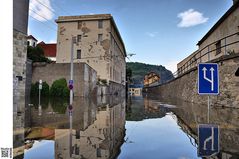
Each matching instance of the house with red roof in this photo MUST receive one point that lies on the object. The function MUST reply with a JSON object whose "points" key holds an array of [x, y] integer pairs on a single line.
{"points": [[49, 50]]}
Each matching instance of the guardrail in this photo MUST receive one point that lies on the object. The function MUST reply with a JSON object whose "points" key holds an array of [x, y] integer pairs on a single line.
{"points": [[210, 52]]}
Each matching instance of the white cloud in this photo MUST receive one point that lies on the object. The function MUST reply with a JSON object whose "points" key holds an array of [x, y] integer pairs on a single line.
{"points": [[172, 66], [191, 18], [52, 41], [152, 34], [39, 11]]}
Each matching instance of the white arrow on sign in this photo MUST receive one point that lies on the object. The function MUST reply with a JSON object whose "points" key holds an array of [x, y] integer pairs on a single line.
{"points": [[209, 80]]}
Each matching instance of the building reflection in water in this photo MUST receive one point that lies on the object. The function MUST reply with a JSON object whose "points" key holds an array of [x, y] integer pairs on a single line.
{"points": [[190, 115], [97, 127]]}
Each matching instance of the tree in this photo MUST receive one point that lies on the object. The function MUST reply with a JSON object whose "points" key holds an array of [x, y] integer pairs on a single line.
{"points": [[36, 54], [129, 74]]}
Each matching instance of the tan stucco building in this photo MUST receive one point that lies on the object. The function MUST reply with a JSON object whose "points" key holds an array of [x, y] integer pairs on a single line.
{"points": [[221, 39], [98, 43]]}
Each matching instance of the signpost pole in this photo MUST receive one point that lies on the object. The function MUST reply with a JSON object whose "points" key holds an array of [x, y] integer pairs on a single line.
{"points": [[71, 93], [40, 87], [71, 78], [208, 109], [39, 106]]}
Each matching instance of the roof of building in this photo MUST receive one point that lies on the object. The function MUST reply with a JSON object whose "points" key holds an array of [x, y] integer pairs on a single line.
{"points": [[62, 19], [218, 23], [152, 72], [31, 37], [49, 49]]}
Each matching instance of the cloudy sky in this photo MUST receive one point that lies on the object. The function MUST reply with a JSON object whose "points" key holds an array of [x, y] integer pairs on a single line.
{"points": [[161, 32]]}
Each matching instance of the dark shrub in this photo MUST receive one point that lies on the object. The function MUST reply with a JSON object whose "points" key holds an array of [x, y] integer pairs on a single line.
{"points": [[59, 88], [59, 105], [35, 89]]}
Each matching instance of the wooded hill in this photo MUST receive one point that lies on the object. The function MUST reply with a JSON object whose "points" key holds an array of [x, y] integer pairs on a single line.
{"points": [[140, 69]]}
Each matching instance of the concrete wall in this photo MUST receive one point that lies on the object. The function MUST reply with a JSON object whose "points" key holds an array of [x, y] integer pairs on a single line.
{"points": [[20, 15], [185, 87], [105, 56], [84, 76]]}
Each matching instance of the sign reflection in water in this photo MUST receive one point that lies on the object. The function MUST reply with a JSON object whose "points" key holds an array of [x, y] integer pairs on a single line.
{"points": [[97, 127]]}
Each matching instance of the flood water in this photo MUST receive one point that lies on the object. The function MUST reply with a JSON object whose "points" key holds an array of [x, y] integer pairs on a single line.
{"points": [[113, 127]]}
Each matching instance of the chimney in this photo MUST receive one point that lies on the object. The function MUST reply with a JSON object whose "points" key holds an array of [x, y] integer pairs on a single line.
{"points": [[235, 1]]}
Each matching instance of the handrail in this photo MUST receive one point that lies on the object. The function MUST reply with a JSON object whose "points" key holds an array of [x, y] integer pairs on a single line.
{"points": [[190, 63]]}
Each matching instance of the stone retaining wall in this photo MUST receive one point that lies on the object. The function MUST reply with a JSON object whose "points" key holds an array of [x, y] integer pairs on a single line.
{"points": [[84, 76], [185, 87]]}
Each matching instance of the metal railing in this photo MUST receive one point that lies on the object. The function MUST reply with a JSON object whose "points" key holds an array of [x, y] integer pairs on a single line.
{"points": [[211, 51]]}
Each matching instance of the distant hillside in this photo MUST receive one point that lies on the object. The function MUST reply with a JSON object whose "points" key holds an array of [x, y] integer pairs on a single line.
{"points": [[140, 69]]}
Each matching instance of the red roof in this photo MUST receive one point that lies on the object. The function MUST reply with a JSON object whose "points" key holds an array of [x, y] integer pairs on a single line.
{"points": [[49, 49]]}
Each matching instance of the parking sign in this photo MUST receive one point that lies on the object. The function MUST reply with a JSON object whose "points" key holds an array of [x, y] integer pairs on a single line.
{"points": [[208, 79]]}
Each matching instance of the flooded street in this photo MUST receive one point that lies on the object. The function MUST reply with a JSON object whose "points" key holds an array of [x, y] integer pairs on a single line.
{"points": [[111, 127]]}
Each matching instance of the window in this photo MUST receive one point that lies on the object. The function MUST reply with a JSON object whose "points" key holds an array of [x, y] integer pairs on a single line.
{"points": [[28, 43], [100, 37], [78, 54], [34, 44], [100, 24], [98, 152], [218, 47], [78, 38]]}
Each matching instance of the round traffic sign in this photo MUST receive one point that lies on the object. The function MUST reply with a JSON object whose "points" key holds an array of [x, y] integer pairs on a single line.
{"points": [[70, 86], [70, 107]]}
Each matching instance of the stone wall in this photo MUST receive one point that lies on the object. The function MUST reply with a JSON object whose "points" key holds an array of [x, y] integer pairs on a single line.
{"points": [[185, 87], [19, 80], [85, 77], [112, 88]]}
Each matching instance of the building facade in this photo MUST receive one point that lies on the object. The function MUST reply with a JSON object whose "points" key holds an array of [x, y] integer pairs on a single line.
{"points": [[98, 43], [20, 23], [221, 39], [49, 50], [31, 41], [151, 79]]}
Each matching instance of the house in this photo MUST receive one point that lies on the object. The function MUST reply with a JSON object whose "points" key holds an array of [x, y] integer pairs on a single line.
{"points": [[151, 79], [221, 39], [135, 89], [31, 41], [49, 50], [97, 43]]}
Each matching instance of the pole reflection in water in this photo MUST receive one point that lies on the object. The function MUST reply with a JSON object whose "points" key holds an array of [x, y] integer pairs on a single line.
{"points": [[96, 129]]}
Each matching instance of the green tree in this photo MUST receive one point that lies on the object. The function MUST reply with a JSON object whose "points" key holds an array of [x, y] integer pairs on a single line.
{"points": [[59, 88], [35, 89], [36, 54], [128, 73]]}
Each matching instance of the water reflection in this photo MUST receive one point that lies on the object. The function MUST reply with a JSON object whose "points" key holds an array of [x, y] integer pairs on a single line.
{"points": [[97, 129], [190, 115], [154, 128]]}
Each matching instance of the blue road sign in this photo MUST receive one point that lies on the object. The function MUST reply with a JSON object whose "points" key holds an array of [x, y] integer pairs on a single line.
{"points": [[208, 140], [71, 82], [208, 79]]}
